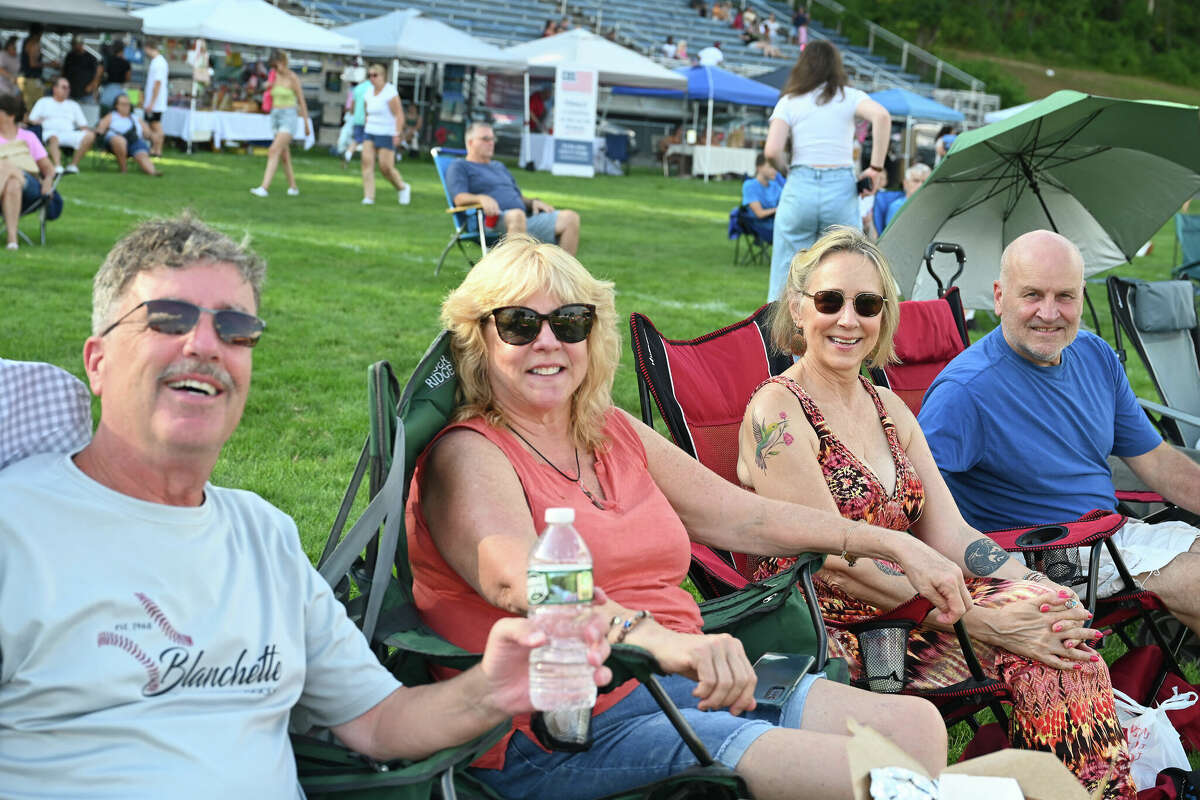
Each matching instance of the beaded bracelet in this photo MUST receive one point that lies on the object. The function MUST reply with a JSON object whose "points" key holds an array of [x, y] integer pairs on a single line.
{"points": [[629, 624], [1034, 576]]}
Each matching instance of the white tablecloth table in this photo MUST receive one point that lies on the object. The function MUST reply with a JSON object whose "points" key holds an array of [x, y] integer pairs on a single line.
{"points": [[542, 156], [739, 160], [238, 126]]}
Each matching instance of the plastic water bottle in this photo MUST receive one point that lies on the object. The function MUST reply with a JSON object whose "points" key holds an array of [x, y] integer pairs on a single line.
{"points": [[558, 587]]}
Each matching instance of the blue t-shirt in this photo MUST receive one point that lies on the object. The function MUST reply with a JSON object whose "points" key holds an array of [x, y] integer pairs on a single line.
{"points": [[767, 195], [1021, 444], [893, 210], [492, 179]]}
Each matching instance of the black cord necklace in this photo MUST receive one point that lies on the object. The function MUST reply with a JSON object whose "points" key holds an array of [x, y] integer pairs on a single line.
{"points": [[578, 471]]}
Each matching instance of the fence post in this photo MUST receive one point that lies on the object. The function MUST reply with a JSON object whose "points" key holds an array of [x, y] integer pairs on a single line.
{"points": [[937, 75], [904, 57]]}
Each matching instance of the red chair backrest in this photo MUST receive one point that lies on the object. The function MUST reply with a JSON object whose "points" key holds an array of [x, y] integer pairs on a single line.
{"points": [[930, 333]]}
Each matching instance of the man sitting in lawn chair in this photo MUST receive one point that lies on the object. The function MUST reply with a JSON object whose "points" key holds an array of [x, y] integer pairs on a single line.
{"points": [[156, 630], [760, 197], [1022, 423], [478, 179]]}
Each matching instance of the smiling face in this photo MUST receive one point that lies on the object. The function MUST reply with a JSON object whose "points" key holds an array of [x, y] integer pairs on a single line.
{"points": [[842, 341], [62, 89], [166, 396], [537, 379], [1039, 296]]}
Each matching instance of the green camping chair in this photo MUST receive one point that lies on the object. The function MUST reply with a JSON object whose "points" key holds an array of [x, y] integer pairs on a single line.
{"points": [[370, 570]]}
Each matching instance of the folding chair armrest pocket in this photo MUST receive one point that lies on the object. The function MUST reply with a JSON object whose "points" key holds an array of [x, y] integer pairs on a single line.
{"points": [[1092, 527]]}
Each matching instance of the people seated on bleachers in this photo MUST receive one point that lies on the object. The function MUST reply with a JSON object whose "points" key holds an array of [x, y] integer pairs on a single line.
{"points": [[63, 125], [43, 409], [159, 630], [122, 134], [771, 28], [537, 428], [711, 56], [479, 179], [681, 50], [760, 195], [755, 37], [26, 171], [668, 46], [549, 29], [800, 26], [821, 436], [720, 11], [914, 176], [1022, 423]]}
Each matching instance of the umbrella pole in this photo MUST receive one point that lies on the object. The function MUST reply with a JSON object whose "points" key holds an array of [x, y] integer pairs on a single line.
{"points": [[526, 140]]}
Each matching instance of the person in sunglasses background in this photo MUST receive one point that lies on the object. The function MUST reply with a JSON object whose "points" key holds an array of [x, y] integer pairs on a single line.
{"points": [[535, 346], [822, 436], [157, 630]]}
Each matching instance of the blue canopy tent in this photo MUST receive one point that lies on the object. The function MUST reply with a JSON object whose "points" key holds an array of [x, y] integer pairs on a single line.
{"points": [[911, 106], [717, 85]]}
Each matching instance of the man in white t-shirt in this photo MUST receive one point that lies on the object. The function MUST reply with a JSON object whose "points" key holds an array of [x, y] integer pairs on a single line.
{"points": [[63, 125], [158, 631], [154, 97], [711, 56]]}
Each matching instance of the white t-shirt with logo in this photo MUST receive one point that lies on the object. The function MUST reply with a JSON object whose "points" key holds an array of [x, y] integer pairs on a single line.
{"points": [[821, 134], [156, 72], [380, 119], [157, 651], [57, 116]]}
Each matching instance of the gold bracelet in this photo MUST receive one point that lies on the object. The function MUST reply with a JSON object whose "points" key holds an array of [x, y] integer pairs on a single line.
{"points": [[850, 560], [631, 623]]}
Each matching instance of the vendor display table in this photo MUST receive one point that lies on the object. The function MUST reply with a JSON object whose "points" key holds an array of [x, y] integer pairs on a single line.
{"points": [[717, 161], [542, 147], [238, 126]]}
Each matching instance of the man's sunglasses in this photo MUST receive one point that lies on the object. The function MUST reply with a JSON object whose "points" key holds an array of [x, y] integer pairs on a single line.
{"points": [[520, 325], [830, 301], [177, 317]]}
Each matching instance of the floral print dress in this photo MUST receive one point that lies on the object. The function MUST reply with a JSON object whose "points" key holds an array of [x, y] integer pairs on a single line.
{"points": [[1069, 713]]}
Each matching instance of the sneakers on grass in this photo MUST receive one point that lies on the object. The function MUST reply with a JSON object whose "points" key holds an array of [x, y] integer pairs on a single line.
{"points": [[293, 191], [71, 169], [405, 195], [258, 191], [367, 201]]}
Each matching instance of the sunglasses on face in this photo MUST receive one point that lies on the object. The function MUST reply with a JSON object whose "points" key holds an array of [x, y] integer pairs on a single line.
{"points": [[520, 325], [830, 301], [177, 317]]}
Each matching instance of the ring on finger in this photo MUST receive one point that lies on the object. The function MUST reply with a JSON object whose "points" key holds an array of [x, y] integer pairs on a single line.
{"points": [[1071, 603]]}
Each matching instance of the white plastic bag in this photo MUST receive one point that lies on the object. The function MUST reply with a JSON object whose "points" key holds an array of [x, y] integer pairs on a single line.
{"points": [[1153, 741]]}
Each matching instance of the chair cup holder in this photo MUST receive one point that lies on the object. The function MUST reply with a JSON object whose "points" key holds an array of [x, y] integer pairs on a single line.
{"points": [[883, 649], [1061, 566], [568, 730], [1047, 534]]}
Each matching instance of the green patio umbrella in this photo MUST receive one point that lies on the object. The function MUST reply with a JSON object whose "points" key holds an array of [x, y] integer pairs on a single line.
{"points": [[1105, 173]]}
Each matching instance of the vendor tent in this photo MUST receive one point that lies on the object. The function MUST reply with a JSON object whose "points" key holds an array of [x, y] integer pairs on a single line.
{"points": [[407, 34], [1005, 113], [715, 84], [249, 22], [68, 15], [577, 47], [903, 103]]}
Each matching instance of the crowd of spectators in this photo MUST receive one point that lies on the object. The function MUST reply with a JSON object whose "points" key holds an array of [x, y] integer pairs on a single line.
{"points": [[763, 35]]}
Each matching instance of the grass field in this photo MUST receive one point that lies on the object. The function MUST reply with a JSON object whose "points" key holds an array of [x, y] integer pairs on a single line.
{"points": [[351, 284]]}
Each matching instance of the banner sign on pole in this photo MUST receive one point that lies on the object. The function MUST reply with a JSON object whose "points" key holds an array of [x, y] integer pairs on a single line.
{"points": [[575, 91]]}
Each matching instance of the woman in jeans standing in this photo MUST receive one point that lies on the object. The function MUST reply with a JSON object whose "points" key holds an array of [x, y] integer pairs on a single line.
{"points": [[287, 103], [817, 110]]}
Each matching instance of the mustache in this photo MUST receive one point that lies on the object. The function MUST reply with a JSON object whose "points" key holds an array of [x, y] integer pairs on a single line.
{"points": [[191, 366]]}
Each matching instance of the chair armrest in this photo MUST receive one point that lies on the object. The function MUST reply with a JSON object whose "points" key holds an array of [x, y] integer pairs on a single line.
{"points": [[1167, 411], [1095, 526], [470, 207]]}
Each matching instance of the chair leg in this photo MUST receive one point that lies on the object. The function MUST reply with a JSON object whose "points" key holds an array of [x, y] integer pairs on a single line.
{"points": [[42, 223], [25, 238], [442, 259]]}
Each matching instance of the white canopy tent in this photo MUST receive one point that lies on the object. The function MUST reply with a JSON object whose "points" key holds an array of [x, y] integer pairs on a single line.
{"points": [[407, 34], [248, 22]]}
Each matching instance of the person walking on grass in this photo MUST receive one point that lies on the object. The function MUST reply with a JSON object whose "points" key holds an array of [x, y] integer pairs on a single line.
{"points": [[383, 131], [287, 105]]}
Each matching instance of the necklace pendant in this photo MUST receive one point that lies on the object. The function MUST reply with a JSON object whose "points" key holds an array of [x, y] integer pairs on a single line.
{"points": [[595, 501]]}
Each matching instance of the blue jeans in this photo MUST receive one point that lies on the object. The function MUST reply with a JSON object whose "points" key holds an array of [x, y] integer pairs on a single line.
{"points": [[812, 200], [633, 744]]}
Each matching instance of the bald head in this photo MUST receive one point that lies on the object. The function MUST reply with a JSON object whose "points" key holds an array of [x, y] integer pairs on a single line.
{"points": [[1039, 295]]}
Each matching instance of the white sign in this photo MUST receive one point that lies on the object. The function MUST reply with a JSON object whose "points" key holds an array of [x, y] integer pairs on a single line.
{"points": [[575, 90]]}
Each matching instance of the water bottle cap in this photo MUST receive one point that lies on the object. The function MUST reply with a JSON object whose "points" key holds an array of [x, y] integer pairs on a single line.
{"points": [[560, 516]]}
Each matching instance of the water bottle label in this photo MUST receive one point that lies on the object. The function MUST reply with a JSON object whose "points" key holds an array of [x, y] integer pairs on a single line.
{"points": [[558, 586]]}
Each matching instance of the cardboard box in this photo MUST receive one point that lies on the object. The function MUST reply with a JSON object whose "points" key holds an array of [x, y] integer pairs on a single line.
{"points": [[1041, 775]]}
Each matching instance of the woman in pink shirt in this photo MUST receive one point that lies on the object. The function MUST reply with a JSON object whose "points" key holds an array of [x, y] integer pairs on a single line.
{"points": [[19, 187], [536, 427]]}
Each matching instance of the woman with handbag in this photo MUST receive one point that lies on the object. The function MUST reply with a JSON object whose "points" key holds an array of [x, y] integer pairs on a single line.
{"points": [[536, 427], [286, 98], [26, 172]]}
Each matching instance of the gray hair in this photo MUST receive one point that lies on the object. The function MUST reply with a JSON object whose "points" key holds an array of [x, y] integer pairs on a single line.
{"points": [[475, 126], [919, 171], [175, 243]]}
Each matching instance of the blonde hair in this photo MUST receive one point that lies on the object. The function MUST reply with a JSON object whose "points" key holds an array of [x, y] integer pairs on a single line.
{"points": [[837, 239], [519, 267]]}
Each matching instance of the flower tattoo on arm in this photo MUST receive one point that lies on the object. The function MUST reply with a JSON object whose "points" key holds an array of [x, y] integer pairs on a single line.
{"points": [[768, 436]]}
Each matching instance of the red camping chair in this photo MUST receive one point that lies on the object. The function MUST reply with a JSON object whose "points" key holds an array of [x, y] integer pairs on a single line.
{"points": [[701, 387]]}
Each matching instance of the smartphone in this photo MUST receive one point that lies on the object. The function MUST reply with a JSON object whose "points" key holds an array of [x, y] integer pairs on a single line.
{"points": [[778, 675], [865, 185]]}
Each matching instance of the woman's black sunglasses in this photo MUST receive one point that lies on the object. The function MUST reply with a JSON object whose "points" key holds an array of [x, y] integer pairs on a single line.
{"points": [[177, 317], [830, 301], [520, 325]]}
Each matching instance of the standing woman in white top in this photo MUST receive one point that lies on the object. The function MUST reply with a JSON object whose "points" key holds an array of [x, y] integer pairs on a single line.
{"points": [[384, 129], [818, 110]]}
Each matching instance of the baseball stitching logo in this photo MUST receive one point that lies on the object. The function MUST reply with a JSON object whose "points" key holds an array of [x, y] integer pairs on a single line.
{"points": [[113, 639]]}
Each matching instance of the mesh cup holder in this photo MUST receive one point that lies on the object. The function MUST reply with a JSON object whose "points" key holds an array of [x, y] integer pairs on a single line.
{"points": [[883, 647], [1061, 566]]}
